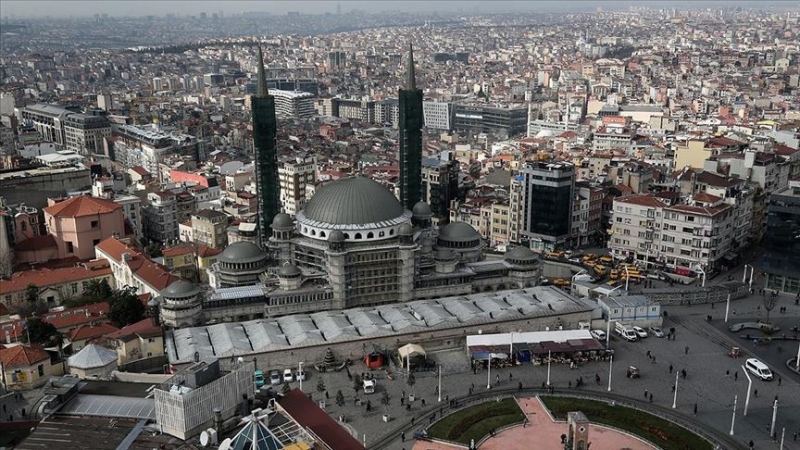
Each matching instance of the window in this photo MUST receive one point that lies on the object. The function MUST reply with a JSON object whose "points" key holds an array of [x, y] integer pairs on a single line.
{"points": [[95, 223], [41, 370], [70, 247]]}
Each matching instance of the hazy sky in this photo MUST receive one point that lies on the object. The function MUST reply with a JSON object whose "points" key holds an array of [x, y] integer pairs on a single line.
{"points": [[27, 8]]}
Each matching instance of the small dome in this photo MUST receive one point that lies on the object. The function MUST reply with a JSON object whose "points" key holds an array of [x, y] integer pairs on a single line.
{"points": [[289, 271], [405, 230], [336, 236], [242, 252], [520, 254], [282, 221], [458, 232], [180, 289], [422, 211], [154, 303], [445, 254]]}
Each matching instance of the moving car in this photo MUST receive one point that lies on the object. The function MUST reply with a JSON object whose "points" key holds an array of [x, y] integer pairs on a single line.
{"points": [[259, 376], [655, 331], [758, 369], [639, 332], [288, 377], [274, 378], [369, 386]]}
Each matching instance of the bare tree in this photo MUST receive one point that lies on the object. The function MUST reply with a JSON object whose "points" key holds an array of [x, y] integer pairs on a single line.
{"points": [[770, 301]]}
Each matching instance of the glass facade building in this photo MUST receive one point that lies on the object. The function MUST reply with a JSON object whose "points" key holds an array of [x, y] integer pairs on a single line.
{"points": [[781, 263]]}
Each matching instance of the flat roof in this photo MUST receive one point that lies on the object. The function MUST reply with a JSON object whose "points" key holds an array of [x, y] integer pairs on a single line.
{"points": [[110, 406], [306, 330]]}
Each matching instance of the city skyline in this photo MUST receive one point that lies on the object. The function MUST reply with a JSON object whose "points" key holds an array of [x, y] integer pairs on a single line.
{"points": [[86, 8]]}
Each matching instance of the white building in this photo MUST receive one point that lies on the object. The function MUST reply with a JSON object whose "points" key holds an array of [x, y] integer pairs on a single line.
{"points": [[438, 115], [293, 104], [295, 174]]}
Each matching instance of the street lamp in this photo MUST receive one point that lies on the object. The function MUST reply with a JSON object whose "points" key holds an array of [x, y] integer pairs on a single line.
{"points": [[702, 272], [627, 277], [774, 415], [548, 368], [727, 307], [733, 418], [797, 360], [749, 385], [675, 397], [300, 374], [489, 375], [752, 273], [610, 367], [440, 383], [608, 332]]}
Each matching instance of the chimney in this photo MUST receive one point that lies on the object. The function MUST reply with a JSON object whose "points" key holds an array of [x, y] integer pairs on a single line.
{"points": [[218, 421], [126, 257]]}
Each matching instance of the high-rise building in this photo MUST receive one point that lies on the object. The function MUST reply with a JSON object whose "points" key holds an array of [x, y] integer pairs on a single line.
{"points": [[782, 239], [265, 131], [440, 184], [547, 214], [411, 121]]}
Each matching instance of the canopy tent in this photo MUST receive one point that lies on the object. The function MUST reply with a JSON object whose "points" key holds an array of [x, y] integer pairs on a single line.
{"points": [[409, 350]]}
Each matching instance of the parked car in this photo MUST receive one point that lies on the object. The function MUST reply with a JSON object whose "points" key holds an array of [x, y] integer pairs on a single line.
{"points": [[640, 332], [600, 335], [655, 331], [274, 378], [259, 376], [288, 377], [300, 375], [369, 386]]}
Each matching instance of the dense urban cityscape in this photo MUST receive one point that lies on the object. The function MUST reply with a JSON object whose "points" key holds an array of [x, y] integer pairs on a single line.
{"points": [[543, 226]]}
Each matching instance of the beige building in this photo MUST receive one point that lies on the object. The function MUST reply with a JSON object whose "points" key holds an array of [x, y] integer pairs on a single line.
{"points": [[693, 154], [26, 367], [295, 174], [136, 341], [210, 227]]}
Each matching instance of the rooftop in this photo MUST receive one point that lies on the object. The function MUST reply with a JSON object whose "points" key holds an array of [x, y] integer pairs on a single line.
{"points": [[81, 206]]}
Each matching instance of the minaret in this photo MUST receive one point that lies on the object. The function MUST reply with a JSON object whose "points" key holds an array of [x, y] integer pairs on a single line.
{"points": [[411, 121], [265, 131]]}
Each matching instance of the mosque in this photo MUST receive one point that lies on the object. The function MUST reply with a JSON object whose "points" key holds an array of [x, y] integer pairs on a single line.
{"points": [[353, 245]]}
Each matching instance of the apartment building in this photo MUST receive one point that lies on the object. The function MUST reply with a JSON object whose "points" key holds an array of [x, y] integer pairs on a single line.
{"points": [[440, 184], [160, 216], [79, 223], [782, 240], [210, 227], [438, 115], [547, 211], [295, 174], [69, 129], [293, 104], [695, 236]]}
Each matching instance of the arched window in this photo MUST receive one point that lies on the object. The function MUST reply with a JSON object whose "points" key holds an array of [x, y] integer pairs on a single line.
{"points": [[322, 234], [347, 235], [358, 236], [305, 229], [381, 234], [313, 232], [370, 235], [391, 232]]}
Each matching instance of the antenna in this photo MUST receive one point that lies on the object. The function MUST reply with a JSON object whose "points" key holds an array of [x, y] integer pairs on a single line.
{"points": [[204, 438]]}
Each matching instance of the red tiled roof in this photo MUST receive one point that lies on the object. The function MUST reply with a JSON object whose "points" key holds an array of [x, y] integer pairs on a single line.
{"points": [[36, 243], [82, 205], [152, 273], [50, 277], [73, 317], [205, 251], [707, 198], [140, 170], [87, 331], [176, 251], [3, 310], [785, 150], [701, 210], [641, 199], [143, 328], [22, 356], [309, 415]]}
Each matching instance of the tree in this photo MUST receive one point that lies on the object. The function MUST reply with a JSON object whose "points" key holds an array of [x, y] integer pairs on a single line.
{"points": [[411, 381], [357, 383], [321, 385], [126, 308], [339, 398], [32, 293], [385, 399], [286, 388], [42, 332], [96, 291]]}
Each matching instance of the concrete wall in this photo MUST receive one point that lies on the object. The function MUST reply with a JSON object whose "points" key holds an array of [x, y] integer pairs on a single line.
{"points": [[552, 269]]}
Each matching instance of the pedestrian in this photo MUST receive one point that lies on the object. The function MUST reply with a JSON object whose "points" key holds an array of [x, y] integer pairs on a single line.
{"points": [[326, 395], [645, 393], [402, 401], [736, 376], [780, 380], [403, 394], [651, 397], [510, 377], [520, 385], [369, 406], [673, 388], [670, 368], [695, 409], [497, 379], [423, 402], [683, 373], [755, 393], [795, 436], [654, 359], [408, 406], [648, 354], [686, 350], [402, 436], [569, 384]]}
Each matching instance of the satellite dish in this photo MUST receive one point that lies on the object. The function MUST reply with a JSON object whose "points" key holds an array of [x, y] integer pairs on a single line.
{"points": [[204, 438], [226, 444]]}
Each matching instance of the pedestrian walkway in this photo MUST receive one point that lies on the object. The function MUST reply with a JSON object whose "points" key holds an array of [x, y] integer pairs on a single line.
{"points": [[547, 434]]}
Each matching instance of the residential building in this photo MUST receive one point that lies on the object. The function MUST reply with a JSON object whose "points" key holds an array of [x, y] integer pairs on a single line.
{"points": [[496, 119], [54, 285], [210, 227], [438, 115], [160, 216], [139, 340], [295, 174], [635, 221], [133, 268], [440, 176], [79, 223], [782, 240], [27, 367], [71, 130], [81, 335], [547, 211]]}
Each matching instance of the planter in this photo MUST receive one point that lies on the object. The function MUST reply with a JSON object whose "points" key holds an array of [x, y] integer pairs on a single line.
{"points": [[411, 397], [385, 417], [322, 404]]}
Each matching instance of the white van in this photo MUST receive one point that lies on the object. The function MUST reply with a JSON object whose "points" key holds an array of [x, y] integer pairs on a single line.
{"points": [[369, 386], [758, 369], [626, 333], [600, 335]]}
